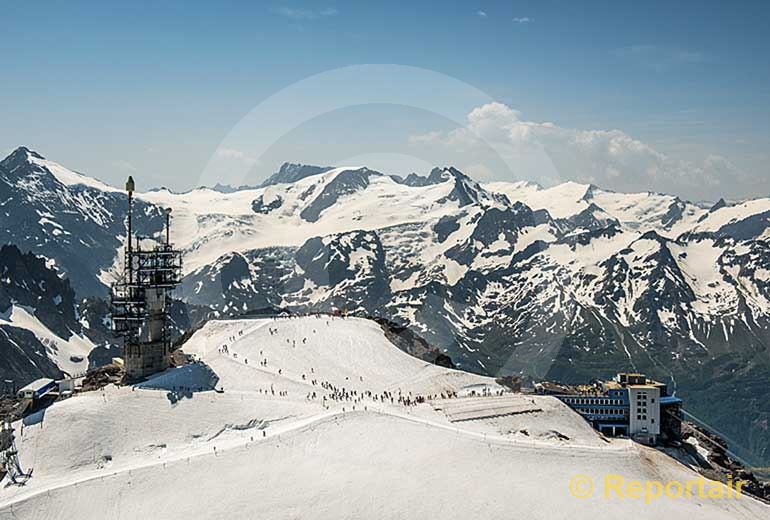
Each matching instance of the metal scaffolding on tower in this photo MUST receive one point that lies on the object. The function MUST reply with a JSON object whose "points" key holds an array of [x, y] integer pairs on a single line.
{"points": [[141, 299], [9, 457]]}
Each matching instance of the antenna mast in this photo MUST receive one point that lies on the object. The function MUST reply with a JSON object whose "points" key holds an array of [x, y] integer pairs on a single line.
{"points": [[140, 300], [130, 189]]}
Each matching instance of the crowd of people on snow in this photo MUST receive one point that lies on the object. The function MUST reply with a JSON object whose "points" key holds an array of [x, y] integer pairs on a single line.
{"points": [[341, 394]]}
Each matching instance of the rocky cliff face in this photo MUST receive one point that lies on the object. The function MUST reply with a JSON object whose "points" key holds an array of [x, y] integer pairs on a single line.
{"points": [[69, 218], [32, 296]]}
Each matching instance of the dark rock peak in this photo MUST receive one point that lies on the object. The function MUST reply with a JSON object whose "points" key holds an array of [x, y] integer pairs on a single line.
{"points": [[590, 211], [663, 258], [293, 172], [749, 228], [414, 180], [591, 218], [446, 173], [590, 191], [541, 216], [446, 226], [585, 237], [18, 163], [491, 225], [22, 153], [654, 235], [466, 191], [436, 176], [235, 267], [25, 279], [258, 205], [533, 249], [508, 221], [721, 203], [441, 174], [226, 188], [697, 236], [344, 183], [331, 262], [675, 212]]}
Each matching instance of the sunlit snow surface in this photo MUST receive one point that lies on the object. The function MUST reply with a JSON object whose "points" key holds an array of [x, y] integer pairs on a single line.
{"points": [[69, 177], [208, 223], [160, 452], [210, 226]]}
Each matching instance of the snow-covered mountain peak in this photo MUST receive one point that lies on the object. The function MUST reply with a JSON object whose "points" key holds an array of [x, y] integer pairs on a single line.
{"points": [[746, 220], [292, 172], [464, 190], [24, 161], [22, 153], [576, 189], [504, 276]]}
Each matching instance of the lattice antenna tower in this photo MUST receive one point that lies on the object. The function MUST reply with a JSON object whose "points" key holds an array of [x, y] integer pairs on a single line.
{"points": [[141, 298]]}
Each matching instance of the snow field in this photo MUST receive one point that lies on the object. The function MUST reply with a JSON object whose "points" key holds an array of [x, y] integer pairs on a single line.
{"points": [[374, 466], [263, 448]]}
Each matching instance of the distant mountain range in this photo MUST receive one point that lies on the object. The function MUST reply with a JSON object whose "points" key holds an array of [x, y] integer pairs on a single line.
{"points": [[570, 282]]}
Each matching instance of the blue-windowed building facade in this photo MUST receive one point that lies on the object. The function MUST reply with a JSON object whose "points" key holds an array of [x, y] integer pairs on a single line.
{"points": [[630, 405], [607, 412]]}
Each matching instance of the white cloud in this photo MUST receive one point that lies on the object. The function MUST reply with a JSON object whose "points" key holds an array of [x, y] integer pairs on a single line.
{"points": [[523, 19], [301, 13], [481, 13], [237, 155], [549, 154]]}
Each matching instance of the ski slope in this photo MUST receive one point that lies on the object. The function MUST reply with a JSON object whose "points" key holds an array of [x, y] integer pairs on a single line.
{"points": [[228, 437]]}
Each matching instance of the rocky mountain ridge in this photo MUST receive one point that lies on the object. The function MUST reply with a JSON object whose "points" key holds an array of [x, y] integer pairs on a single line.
{"points": [[569, 282]]}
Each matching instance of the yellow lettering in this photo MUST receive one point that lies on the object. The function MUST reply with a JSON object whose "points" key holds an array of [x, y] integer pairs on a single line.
{"points": [[654, 490], [716, 490], [670, 489], [651, 490], [688, 487], [634, 489], [701, 487], [615, 483]]}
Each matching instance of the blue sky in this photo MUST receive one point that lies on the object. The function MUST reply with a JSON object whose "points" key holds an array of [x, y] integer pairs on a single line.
{"points": [[154, 89]]}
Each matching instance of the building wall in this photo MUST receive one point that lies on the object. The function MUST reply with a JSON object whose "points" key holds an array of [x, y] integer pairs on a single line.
{"points": [[612, 407], [625, 407], [144, 359], [644, 412]]}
